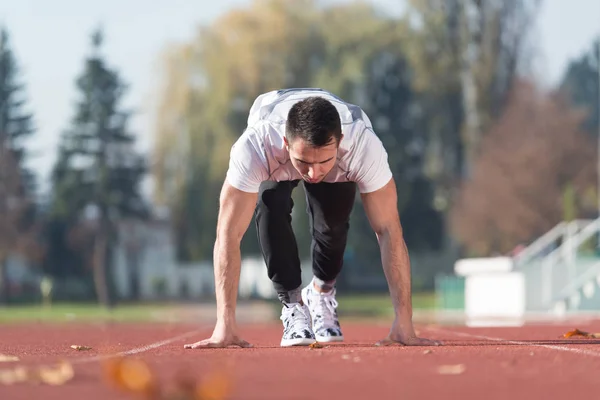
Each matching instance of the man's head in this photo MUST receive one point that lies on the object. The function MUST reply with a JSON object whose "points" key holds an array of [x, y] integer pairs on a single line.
{"points": [[312, 135]]}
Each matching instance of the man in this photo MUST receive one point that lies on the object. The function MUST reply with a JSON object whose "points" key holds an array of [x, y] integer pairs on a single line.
{"points": [[313, 136]]}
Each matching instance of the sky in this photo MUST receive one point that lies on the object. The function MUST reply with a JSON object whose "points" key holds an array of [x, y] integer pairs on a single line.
{"points": [[51, 39]]}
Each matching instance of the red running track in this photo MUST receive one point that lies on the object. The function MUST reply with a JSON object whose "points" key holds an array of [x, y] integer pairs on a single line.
{"points": [[530, 362]]}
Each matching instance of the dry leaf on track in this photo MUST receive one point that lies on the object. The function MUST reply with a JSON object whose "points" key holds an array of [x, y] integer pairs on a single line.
{"points": [[580, 333], [216, 386], [80, 348], [451, 369], [6, 358], [137, 378], [59, 375], [316, 345], [131, 375], [56, 376], [12, 376]]}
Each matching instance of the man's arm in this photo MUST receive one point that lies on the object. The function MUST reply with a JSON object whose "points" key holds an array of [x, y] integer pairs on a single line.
{"points": [[382, 210], [235, 213]]}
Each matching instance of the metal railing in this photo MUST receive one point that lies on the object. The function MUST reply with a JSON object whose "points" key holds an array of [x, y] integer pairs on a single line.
{"points": [[551, 239], [548, 275]]}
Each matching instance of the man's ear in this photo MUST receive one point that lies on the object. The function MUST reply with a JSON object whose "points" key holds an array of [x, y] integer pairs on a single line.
{"points": [[287, 144]]}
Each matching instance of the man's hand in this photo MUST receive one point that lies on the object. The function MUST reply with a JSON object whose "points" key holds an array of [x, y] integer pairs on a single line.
{"points": [[223, 336], [405, 335]]}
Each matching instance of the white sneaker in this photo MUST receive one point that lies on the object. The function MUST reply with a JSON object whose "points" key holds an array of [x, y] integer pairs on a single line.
{"points": [[296, 326], [322, 307]]}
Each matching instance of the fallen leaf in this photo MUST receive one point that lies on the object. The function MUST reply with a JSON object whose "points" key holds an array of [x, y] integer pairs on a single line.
{"points": [[5, 358], [451, 369], [316, 345], [345, 357], [80, 348], [12, 376], [48, 375], [427, 351], [131, 375], [56, 376], [577, 332], [216, 387]]}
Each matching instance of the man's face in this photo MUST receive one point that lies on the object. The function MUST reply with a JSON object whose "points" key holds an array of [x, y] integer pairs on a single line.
{"points": [[313, 163]]}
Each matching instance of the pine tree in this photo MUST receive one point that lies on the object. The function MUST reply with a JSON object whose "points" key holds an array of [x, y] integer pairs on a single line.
{"points": [[98, 168], [17, 184]]}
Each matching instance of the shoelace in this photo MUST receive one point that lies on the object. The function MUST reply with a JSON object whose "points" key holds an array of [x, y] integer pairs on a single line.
{"points": [[326, 307], [299, 318]]}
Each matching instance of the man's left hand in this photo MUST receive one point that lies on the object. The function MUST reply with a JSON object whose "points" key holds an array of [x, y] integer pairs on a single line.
{"points": [[405, 335]]}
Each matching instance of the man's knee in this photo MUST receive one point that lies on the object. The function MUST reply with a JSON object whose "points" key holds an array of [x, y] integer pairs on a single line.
{"points": [[275, 197], [336, 231]]}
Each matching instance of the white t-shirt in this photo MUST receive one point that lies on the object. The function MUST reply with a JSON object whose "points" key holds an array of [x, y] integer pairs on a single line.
{"points": [[260, 154]]}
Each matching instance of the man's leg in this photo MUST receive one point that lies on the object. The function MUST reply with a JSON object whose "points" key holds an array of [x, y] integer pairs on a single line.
{"points": [[329, 209], [273, 218], [278, 245]]}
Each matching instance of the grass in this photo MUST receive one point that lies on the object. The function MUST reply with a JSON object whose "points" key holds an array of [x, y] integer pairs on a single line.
{"points": [[84, 312], [354, 305], [380, 304]]}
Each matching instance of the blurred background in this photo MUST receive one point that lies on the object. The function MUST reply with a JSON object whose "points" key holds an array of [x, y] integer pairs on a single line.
{"points": [[116, 120]]}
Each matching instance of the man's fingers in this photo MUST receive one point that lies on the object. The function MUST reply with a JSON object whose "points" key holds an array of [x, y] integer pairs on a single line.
{"points": [[211, 344], [243, 343], [384, 342], [201, 344]]}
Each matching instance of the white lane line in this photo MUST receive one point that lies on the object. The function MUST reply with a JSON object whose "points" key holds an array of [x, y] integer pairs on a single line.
{"points": [[501, 340], [136, 350]]}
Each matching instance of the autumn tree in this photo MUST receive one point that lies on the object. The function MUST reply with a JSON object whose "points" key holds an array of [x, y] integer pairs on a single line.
{"points": [[532, 156], [465, 55]]}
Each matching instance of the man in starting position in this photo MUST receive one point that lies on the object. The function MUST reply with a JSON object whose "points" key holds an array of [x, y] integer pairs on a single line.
{"points": [[313, 136]]}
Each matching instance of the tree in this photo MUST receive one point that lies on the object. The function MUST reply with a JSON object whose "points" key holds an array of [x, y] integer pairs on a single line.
{"points": [[17, 185], [98, 173], [531, 160], [465, 55], [580, 84]]}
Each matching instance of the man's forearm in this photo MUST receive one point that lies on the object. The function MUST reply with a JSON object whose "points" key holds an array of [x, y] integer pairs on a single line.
{"points": [[227, 265], [396, 266]]}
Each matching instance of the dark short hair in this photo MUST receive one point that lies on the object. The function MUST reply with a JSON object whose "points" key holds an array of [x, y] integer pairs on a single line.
{"points": [[314, 120]]}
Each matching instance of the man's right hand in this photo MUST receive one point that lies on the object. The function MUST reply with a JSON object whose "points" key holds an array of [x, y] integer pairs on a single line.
{"points": [[222, 336]]}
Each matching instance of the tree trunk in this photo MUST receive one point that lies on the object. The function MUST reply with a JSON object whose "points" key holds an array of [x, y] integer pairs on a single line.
{"points": [[133, 265], [100, 269], [4, 286], [469, 59]]}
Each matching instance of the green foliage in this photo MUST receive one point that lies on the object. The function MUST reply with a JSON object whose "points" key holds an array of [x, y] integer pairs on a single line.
{"points": [[98, 173], [16, 123], [97, 164], [580, 83]]}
